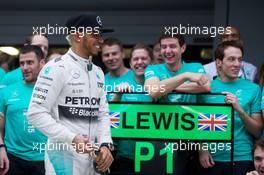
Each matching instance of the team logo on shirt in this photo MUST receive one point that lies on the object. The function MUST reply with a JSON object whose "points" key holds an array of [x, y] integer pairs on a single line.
{"points": [[75, 73], [78, 113], [47, 70]]}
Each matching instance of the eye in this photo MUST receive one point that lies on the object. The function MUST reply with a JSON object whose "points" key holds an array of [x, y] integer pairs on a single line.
{"points": [[173, 46], [163, 46]]}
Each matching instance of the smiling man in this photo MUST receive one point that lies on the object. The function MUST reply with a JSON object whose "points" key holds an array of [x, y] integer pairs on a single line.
{"points": [[141, 57], [112, 56], [245, 98], [20, 136], [258, 156], [69, 106]]}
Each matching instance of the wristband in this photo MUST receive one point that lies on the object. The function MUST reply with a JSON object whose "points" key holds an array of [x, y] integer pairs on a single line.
{"points": [[2, 146], [108, 145]]}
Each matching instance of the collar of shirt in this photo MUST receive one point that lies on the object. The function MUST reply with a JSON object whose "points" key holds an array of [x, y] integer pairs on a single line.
{"points": [[82, 61]]}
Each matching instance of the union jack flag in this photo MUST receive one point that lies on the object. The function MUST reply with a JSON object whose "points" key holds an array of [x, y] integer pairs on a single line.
{"points": [[212, 122], [114, 118]]}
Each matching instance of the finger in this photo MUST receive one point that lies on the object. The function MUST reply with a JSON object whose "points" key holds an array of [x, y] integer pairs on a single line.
{"points": [[212, 163], [107, 162], [1, 163], [105, 165], [101, 158], [6, 166]]}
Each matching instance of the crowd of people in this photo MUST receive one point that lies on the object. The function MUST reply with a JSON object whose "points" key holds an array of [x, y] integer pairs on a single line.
{"points": [[54, 116]]}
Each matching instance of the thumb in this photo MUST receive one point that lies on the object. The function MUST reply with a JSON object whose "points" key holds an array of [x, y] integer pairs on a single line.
{"points": [[211, 160]]}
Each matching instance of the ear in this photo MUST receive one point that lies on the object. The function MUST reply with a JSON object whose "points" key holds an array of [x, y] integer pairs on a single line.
{"points": [[42, 62], [76, 37], [218, 63], [183, 48]]}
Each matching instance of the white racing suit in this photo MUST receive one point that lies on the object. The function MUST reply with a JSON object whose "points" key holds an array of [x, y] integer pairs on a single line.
{"points": [[68, 99]]}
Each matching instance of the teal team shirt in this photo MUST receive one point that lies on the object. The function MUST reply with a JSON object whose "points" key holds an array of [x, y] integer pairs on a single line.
{"points": [[2, 74], [162, 72], [249, 96], [112, 82], [262, 99], [12, 77], [126, 148], [21, 138]]}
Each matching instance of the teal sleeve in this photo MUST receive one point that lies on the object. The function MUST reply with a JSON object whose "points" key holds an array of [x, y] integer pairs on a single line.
{"points": [[262, 99], [150, 72], [255, 105], [2, 101], [200, 69], [2, 74]]}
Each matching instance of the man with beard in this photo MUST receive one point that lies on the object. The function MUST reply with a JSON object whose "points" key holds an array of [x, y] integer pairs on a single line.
{"points": [[141, 57], [20, 136], [16, 74], [69, 105], [112, 56]]}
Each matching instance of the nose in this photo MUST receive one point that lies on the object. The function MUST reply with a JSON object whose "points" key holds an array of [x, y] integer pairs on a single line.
{"points": [[139, 61], [24, 66], [262, 163], [237, 62]]}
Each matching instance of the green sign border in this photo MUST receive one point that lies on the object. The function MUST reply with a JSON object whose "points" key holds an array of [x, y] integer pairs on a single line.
{"points": [[166, 138]]}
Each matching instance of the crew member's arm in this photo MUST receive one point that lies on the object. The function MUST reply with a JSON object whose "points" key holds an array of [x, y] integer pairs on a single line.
{"points": [[4, 162], [194, 87], [253, 123], [157, 88], [122, 88]]}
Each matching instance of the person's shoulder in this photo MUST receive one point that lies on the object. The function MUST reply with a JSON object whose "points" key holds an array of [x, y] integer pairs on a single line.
{"points": [[12, 87], [156, 66], [98, 69], [55, 64], [194, 64], [249, 65], [248, 84], [195, 67], [208, 65]]}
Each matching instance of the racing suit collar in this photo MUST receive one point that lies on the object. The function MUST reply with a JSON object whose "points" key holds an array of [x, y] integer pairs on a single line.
{"points": [[82, 61]]}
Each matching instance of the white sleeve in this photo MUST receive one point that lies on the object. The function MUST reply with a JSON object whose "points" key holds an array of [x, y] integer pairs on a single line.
{"points": [[104, 133], [210, 70], [46, 91]]}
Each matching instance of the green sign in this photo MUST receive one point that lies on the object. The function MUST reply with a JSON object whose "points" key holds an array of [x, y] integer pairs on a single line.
{"points": [[171, 121]]}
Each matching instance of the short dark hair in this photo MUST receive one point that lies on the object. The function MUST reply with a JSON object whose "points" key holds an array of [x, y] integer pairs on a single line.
{"points": [[219, 52], [142, 46], [113, 41], [179, 37], [33, 48], [259, 143]]}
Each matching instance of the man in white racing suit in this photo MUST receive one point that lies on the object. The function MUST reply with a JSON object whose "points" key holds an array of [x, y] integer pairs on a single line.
{"points": [[69, 105]]}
